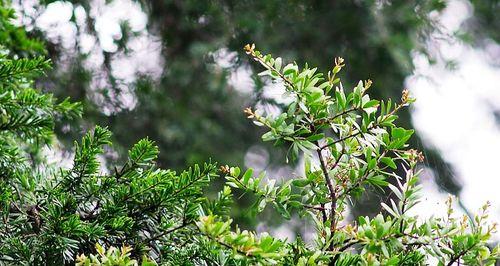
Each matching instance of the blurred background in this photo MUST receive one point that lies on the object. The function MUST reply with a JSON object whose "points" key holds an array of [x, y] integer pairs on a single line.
{"points": [[174, 70]]}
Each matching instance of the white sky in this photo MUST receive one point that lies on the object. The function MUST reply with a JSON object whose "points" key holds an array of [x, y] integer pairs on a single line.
{"points": [[454, 113]]}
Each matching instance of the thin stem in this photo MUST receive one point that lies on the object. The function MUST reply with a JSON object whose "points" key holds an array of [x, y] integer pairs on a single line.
{"points": [[329, 184], [272, 68], [339, 114], [319, 208], [375, 125], [323, 212], [346, 138], [348, 245], [457, 257], [156, 237], [359, 181]]}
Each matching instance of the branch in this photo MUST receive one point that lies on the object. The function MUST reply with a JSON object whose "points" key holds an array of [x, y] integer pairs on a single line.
{"points": [[457, 257], [329, 184], [375, 125], [347, 137], [175, 193], [156, 237], [268, 66], [319, 208], [359, 181], [338, 115]]}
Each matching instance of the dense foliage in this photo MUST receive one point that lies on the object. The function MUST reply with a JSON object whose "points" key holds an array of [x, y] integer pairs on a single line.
{"points": [[345, 140]]}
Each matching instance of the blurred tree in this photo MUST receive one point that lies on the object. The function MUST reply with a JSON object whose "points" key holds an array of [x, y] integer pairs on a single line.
{"points": [[483, 25], [188, 99]]}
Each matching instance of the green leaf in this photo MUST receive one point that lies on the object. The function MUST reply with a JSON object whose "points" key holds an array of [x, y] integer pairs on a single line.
{"points": [[262, 205], [308, 144], [268, 136], [143, 153], [378, 180], [371, 103], [235, 171], [247, 175], [277, 63], [300, 182], [389, 162], [341, 99], [388, 209], [290, 69], [316, 137], [282, 210]]}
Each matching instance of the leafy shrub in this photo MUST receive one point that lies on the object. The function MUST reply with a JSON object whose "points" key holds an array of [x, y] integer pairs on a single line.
{"points": [[357, 144], [54, 215], [112, 257]]}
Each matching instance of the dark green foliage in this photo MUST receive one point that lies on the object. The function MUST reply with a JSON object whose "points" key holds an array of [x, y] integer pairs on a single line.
{"points": [[482, 26], [23, 109], [23, 67], [52, 214], [137, 205], [15, 38]]}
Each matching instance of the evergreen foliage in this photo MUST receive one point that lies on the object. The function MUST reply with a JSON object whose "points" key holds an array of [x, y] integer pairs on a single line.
{"points": [[52, 215]]}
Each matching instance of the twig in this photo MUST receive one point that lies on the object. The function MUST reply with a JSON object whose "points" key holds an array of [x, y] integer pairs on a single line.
{"points": [[184, 224], [457, 257], [347, 137], [329, 184]]}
